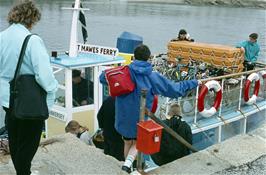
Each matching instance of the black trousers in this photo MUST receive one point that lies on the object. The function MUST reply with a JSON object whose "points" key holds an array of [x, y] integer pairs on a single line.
{"points": [[114, 148], [24, 138], [247, 66]]}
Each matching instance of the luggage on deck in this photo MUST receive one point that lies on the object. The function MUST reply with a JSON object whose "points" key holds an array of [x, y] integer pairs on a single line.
{"points": [[219, 56]]}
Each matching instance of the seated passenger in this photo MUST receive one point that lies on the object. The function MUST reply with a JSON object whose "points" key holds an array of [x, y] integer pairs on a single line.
{"points": [[183, 36], [171, 149], [79, 89], [81, 132]]}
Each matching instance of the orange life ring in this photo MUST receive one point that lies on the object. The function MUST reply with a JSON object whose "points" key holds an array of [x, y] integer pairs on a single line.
{"points": [[251, 77], [154, 104], [263, 74], [204, 90]]}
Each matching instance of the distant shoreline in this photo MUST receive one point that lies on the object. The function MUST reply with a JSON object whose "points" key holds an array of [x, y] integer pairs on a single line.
{"points": [[259, 4]]}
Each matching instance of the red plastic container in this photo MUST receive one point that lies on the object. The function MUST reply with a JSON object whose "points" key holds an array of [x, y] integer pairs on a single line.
{"points": [[149, 136]]}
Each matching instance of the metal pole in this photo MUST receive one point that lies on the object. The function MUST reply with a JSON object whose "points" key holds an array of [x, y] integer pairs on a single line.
{"points": [[167, 106], [220, 110], [196, 105], [68, 95], [244, 123], [240, 93], [141, 118]]}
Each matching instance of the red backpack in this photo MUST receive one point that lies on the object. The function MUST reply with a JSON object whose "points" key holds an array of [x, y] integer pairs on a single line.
{"points": [[119, 81]]}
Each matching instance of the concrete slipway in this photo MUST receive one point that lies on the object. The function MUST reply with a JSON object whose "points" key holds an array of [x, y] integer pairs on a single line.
{"points": [[234, 152], [65, 154]]}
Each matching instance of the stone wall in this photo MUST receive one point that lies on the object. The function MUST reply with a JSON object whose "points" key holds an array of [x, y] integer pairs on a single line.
{"points": [[231, 3]]}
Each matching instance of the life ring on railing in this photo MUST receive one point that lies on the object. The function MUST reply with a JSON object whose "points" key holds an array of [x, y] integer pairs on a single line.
{"points": [[263, 73], [251, 77], [204, 90], [154, 104]]}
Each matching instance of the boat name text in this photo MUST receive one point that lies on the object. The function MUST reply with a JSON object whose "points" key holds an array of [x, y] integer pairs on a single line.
{"points": [[101, 50]]}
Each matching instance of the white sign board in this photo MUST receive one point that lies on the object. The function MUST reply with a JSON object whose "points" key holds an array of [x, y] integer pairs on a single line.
{"points": [[101, 50]]}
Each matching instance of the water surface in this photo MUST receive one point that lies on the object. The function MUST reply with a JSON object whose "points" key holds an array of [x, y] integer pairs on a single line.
{"points": [[156, 23]]}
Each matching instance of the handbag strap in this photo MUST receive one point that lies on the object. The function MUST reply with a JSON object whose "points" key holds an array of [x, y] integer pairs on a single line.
{"points": [[21, 56]]}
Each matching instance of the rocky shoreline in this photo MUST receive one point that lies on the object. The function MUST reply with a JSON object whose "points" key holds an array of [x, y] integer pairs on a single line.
{"points": [[230, 3], [260, 4]]}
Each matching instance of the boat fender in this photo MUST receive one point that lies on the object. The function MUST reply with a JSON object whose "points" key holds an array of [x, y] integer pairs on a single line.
{"points": [[204, 90], [251, 77], [154, 104]]}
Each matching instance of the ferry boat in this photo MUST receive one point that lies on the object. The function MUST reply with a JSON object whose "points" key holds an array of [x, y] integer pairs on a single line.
{"points": [[219, 109], [222, 107]]}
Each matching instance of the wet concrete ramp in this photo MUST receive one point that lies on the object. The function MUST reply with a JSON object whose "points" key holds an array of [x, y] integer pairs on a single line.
{"points": [[66, 154]]}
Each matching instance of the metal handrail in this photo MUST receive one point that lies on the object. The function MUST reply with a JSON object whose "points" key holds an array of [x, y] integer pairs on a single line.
{"points": [[233, 75]]}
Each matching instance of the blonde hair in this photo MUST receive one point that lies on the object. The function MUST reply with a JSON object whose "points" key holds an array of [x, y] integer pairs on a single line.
{"points": [[25, 13], [175, 110], [72, 127]]}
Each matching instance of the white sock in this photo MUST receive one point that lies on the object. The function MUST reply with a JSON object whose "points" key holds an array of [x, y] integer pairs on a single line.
{"points": [[129, 160]]}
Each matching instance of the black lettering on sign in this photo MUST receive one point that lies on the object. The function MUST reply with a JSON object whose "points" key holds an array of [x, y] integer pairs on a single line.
{"points": [[89, 49], [83, 48], [97, 49], [57, 115]]}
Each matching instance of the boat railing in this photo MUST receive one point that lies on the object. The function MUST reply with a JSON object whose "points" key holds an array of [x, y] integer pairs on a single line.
{"points": [[232, 108]]}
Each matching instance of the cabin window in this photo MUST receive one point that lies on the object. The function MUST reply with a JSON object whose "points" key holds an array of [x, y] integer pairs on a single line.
{"points": [[82, 87], [60, 94]]}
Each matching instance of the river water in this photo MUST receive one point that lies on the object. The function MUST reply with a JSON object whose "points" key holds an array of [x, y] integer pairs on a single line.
{"points": [[156, 23]]}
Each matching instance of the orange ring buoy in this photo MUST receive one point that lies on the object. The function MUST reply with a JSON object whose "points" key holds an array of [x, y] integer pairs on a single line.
{"points": [[251, 77], [204, 90], [263, 73], [154, 104]]}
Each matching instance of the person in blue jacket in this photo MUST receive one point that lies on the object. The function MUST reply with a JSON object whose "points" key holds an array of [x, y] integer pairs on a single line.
{"points": [[24, 135], [251, 49], [128, 105]]}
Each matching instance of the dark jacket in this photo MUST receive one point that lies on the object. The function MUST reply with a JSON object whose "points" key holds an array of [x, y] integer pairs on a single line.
{"points": [[106, 120], [171, 149], [113, 143], [80, 91]]}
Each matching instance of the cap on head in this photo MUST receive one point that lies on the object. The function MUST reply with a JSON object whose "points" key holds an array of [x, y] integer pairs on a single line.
{"points": [[254, 36], [182, 32], [142, 52]]}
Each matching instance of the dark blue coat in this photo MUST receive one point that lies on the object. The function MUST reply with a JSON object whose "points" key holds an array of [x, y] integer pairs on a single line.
{"points": [[128, 106]]}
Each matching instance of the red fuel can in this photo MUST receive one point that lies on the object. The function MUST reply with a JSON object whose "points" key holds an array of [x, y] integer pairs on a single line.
{"points": [[149, 136]]}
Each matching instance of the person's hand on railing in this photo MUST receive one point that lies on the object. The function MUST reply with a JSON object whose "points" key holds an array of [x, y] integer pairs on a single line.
{"points": [[199, 83], [147, 112]]}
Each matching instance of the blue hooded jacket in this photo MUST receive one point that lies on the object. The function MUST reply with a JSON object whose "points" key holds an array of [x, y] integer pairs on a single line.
{"points": [[128, 106]]}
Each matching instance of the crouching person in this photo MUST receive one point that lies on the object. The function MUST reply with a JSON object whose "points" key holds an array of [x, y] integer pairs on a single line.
{"points": [[172, 149], [128, 105], [81, 132]]}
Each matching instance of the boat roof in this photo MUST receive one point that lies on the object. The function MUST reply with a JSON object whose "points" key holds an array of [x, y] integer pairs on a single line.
{"points": [[85, 60]]}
